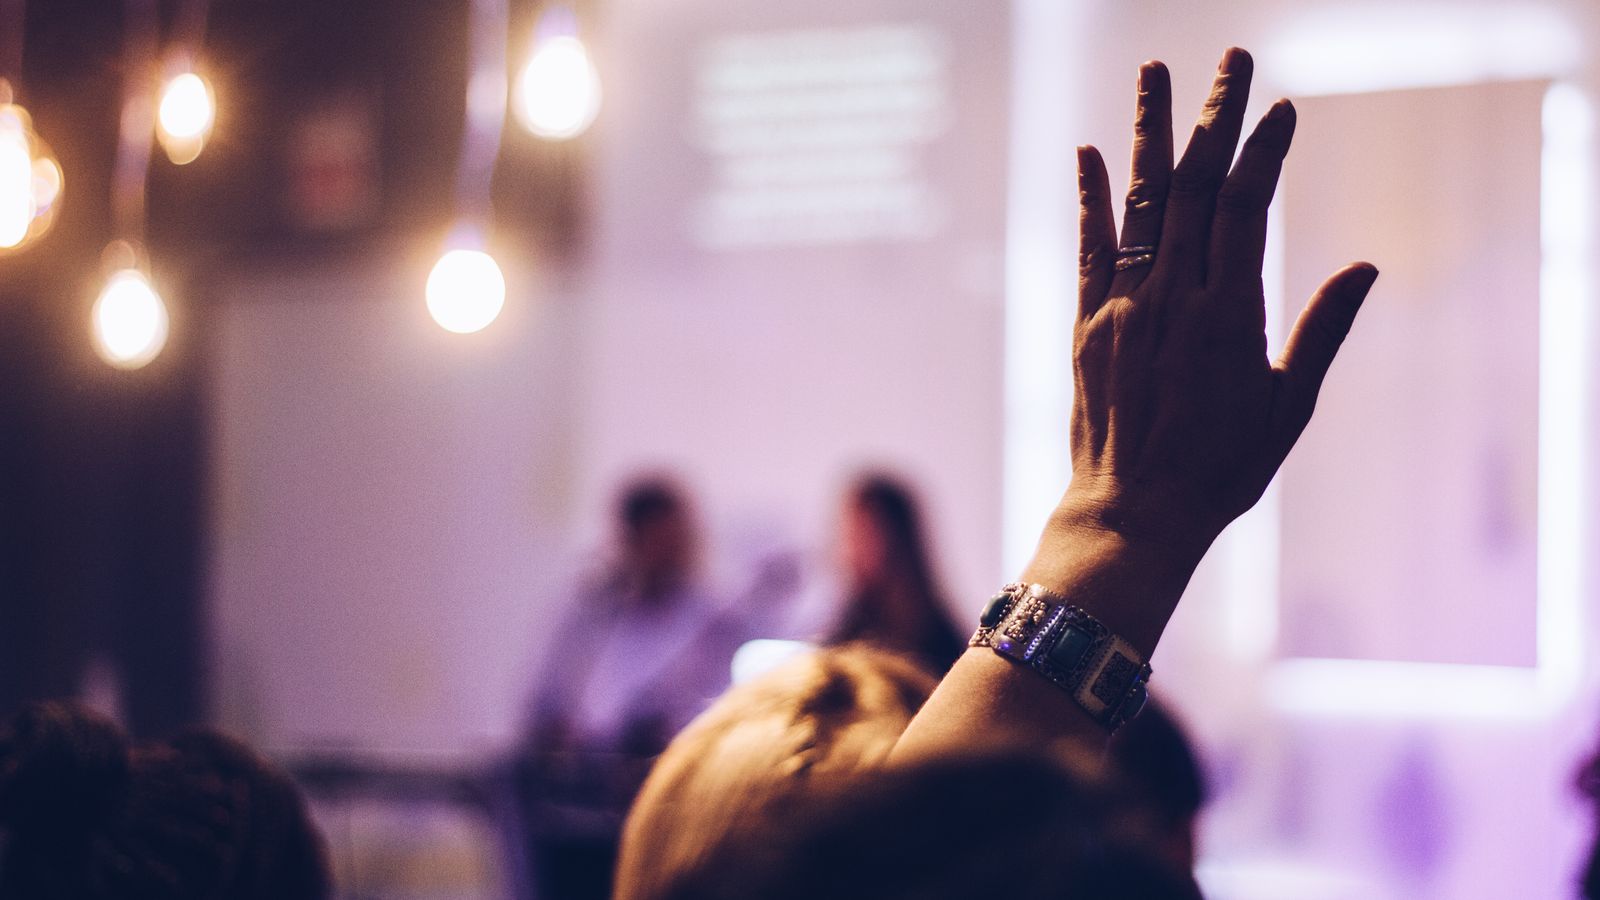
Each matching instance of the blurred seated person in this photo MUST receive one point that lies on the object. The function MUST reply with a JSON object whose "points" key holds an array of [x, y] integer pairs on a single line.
{"points": [[641, 651], [84, 815], [892, 597]]}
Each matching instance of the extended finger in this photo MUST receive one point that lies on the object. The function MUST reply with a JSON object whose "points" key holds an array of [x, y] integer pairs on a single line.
{"points": [[1191, 199], [1151, 176], [1097, 232], [1316, 338], [1239, 231]]}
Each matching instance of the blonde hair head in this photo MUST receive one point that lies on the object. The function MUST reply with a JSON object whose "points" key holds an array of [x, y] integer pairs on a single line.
{"points": [[730, 776]]}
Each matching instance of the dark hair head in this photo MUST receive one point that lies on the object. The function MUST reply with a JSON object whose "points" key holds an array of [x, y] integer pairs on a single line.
{"points": [[60, 770], [1160, 774], [892, 506], [895, 602], [1589, 779], [1156, 759], [1589, 787], [87, 817], [648, 500]]}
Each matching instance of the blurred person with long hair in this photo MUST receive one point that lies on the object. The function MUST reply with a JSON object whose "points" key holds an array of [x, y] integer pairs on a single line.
{"points": [[892, 596]]}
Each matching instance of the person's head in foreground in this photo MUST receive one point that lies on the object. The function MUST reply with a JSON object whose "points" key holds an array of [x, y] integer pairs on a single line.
{"points": [[781, 790], [1013, 823], [86, 816], [737, 770]]}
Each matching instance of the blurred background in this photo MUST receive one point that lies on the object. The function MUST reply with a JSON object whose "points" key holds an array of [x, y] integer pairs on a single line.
{"points": [[314, 413]]}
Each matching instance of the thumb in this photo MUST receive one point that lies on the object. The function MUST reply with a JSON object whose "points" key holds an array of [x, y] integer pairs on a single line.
{"points": [[1316, 337]]}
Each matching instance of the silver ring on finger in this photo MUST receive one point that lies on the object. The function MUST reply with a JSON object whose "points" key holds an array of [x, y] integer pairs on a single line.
{"points": [[1135, 256]]}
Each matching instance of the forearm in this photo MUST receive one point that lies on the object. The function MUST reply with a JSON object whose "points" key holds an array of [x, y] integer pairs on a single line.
{"points": [[1131, 582]]}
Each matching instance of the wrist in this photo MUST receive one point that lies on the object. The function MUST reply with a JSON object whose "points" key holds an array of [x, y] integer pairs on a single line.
{"points": [[1126, 564], [1142, 515]]}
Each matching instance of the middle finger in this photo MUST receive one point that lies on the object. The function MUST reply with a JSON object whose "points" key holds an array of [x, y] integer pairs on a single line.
{"points": [[1151, 176], [1186, 228]]}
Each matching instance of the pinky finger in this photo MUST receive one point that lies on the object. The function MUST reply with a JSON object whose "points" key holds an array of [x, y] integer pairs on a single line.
{"points": [[1097, 232]]}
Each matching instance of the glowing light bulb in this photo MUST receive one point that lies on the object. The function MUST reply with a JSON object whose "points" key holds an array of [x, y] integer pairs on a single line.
{"points": [[184, 119], [130, 320], [47, 183], [465, 291], [30, 180], [558, 92], [16, 188]]}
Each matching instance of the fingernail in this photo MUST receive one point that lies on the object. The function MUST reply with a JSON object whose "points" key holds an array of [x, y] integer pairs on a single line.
{"points": [[1232, 58], [1368, 277], [1280, 110], [1145, 72]]}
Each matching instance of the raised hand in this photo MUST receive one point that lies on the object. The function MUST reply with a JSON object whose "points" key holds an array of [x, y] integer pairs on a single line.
{"points": [[1180, 420]]}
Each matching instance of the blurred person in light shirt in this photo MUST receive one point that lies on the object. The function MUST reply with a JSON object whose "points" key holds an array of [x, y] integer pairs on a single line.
{"points": [[641, 650]]}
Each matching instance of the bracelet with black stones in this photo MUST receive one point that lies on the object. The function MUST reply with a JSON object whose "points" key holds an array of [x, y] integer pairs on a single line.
{"points": [[1102, 672]]}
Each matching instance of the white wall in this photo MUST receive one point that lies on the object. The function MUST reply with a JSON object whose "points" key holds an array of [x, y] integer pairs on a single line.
{"points": [[388, 501], [401, 512]]}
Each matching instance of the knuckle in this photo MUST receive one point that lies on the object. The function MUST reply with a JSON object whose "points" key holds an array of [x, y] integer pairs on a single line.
{"points": [[1145, 194], [1094, 340], [1242, 197], [1326, 334], [1194, 179], [1127, 324], [1225, 86], [1092, 257]]}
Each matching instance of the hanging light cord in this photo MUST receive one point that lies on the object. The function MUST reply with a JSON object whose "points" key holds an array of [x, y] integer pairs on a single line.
{"points": [[486, 107], [141, 44], [190, 26], [13, 19]]}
